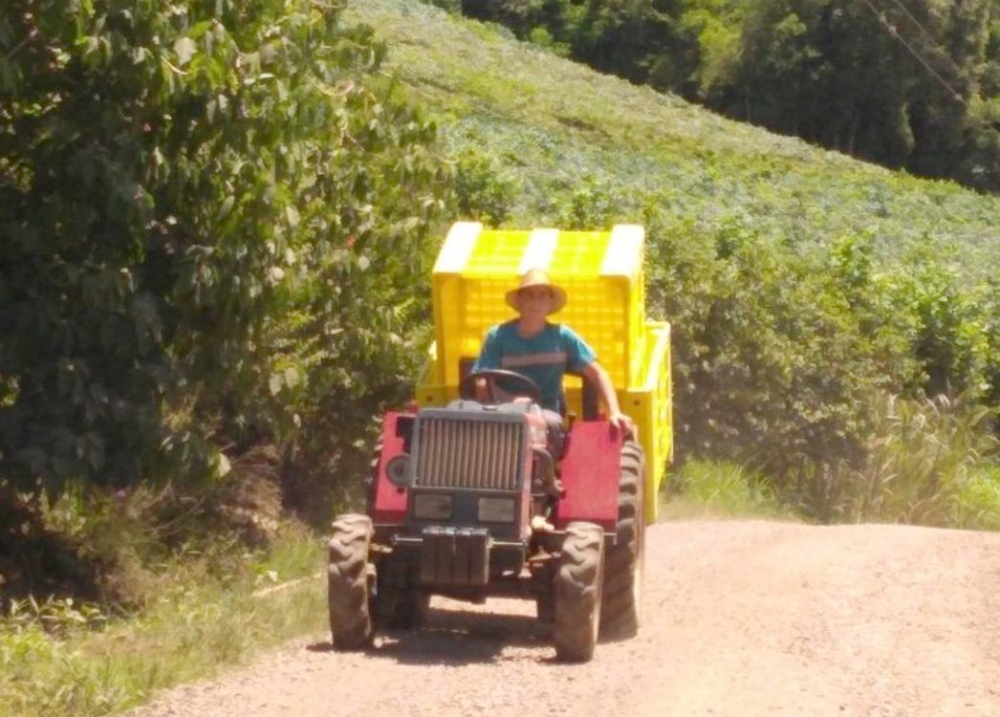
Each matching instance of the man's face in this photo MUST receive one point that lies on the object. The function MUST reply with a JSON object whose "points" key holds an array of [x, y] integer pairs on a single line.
{"points": [[534, 301]]}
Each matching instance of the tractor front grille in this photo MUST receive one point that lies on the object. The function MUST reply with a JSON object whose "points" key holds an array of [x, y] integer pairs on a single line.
{"points": [[463, 453]]}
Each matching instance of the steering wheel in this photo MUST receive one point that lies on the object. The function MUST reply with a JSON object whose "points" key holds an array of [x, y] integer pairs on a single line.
{"points": [[499, 381]]}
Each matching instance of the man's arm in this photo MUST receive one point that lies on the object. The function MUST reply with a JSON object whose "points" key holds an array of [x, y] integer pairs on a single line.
{"points": [[489, 357], [596, 373]]}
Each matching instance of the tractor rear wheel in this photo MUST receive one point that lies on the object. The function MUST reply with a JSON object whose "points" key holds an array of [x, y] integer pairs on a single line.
{"points": [[578, 585], [348, 590], [621, 606]]}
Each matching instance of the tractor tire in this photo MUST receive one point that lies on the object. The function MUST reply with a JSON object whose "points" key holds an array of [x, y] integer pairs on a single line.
{"points": [[401, 608], [578, 585], [621, 607], [348, 593], [545, 609]]}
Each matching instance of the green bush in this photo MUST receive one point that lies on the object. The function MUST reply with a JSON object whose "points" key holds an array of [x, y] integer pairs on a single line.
{"points": [[978, 501], [484, 190], [723, 489], [211, 212]]}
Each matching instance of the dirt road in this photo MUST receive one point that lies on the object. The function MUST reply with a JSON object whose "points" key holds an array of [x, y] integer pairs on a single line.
{"points": [[740, 618]]}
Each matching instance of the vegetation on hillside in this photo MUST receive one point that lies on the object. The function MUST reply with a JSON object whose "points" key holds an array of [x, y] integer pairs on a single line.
{"points": [[814, 299], [906, 83]]}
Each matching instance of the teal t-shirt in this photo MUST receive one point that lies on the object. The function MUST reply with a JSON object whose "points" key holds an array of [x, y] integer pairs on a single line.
{"points": [[543, 358]]}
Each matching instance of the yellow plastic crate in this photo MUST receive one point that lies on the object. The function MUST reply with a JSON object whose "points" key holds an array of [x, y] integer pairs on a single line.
{"points": [[600, 271], [430, 391], [651, 407]]}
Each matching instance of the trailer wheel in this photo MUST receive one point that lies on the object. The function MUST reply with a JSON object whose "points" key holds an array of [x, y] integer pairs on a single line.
{"points": [[621, 608], [578, 586], [348, 590]]}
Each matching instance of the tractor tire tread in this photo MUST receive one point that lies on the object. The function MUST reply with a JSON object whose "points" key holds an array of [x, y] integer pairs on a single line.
{"points": [[578, 587], [620, 611], [347, 582]]}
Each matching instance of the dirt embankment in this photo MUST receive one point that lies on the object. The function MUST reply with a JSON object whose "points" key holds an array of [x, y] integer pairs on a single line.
{"points": [[740, 618]]}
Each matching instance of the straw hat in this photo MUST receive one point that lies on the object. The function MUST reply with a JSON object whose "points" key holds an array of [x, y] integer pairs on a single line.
{"points": [[538, 277]]}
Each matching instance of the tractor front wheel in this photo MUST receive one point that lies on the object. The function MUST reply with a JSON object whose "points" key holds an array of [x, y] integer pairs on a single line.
{"points": [[623, 566], [349, 593], [578, 585]]}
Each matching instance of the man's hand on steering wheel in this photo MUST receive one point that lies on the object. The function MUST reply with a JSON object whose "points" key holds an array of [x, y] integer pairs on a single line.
{"points": [[484, 385]]}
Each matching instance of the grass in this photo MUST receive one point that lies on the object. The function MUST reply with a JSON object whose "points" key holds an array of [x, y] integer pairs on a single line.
{"points": [[708, 489], [58, 659], [926, 467], [977, 501]]}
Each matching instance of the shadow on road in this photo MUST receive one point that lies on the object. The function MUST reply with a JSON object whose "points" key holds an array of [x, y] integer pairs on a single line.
{"points": [[458, 637]]}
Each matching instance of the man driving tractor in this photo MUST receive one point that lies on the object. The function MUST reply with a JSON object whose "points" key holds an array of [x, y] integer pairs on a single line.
{"points": [[543, 351]]}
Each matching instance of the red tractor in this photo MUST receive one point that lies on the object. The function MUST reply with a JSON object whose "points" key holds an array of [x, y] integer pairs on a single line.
{"points": [[471, 499]]}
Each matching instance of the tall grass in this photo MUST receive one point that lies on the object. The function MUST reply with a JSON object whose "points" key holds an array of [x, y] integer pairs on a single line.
{"points": [[931, 462], [59, 659], [711, 489], [928, 462]]}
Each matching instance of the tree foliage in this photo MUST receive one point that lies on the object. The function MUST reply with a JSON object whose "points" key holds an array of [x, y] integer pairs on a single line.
{"points": [[906, 83], [209, 215]]}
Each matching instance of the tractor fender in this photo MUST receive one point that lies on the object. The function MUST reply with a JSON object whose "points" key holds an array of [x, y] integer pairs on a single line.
{"points": [[589, 474], [388, 502]]}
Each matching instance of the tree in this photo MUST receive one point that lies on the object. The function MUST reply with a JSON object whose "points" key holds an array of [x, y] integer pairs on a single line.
{"points": [[192, 196], [898, 83], [906, 83]]}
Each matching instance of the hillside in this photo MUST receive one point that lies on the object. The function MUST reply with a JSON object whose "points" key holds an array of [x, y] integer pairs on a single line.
{"points": [[555, 126]]}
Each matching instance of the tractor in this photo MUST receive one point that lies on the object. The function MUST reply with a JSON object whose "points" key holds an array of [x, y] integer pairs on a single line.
{"points": [[472, 498]]}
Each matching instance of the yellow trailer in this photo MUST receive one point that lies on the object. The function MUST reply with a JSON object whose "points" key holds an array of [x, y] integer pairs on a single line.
{"points": [[602, 271]]}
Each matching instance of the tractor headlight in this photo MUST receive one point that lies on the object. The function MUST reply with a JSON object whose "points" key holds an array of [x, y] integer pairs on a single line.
{"points": [[496, 510], [431, 506], [397, 470]]}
